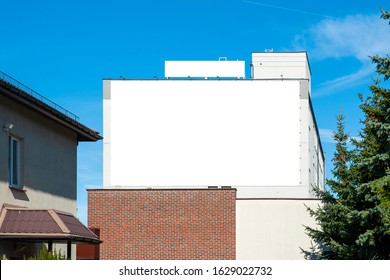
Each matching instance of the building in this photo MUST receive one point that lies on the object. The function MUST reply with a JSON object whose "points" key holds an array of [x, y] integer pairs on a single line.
{"points": [[38, 172], [206, 127]]}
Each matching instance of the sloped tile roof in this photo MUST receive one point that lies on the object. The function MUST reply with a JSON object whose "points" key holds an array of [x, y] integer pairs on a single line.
{"points": [[43, 224]]}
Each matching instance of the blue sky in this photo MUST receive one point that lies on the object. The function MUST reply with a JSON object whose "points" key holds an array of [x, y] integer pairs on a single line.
{"points": [[63, 50]]}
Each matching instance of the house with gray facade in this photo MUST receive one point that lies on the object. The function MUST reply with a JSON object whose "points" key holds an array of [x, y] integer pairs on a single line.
{"points": [[38, 173]]}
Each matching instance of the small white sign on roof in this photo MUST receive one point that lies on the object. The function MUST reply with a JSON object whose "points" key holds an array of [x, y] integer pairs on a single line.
{"points": [[205, 69]]}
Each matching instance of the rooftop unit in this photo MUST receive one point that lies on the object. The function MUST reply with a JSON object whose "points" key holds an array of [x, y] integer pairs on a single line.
{"points": [[277, 65], [221, 68]]}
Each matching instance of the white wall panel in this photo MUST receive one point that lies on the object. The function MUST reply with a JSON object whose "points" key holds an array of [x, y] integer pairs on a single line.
{"points": [[203, 133], [273, 229]]}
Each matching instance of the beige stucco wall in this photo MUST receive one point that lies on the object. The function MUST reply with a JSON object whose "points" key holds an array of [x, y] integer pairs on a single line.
{"points": [[48, 163], [272, 229]]}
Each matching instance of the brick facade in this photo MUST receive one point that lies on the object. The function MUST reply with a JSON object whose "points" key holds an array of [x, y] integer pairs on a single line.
{"points": [[164, 223]]}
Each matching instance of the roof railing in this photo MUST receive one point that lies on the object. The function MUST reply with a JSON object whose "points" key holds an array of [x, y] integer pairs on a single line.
{"points": [[38, 96]]}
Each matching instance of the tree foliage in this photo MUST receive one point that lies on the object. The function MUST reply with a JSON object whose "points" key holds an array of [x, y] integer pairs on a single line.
{"points": [[45, 254], [354, 216]]}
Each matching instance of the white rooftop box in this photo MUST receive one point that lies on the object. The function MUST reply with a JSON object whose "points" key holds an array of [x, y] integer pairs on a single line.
{"points": [[277, 65], [205, 69]]}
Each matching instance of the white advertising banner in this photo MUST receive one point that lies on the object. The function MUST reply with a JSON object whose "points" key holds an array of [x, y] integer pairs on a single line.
{"points": [[178, 133]]}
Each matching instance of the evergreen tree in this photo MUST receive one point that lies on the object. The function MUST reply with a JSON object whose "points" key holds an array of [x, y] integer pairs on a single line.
{"points": [[372, 168], [354, 217], [337, 200]]}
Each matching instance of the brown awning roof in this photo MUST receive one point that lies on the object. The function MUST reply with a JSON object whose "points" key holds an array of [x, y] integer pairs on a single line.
{"points": [[43, 225]]}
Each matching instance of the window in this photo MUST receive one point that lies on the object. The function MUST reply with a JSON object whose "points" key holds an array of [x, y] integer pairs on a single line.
{"points": [[14, 162]]}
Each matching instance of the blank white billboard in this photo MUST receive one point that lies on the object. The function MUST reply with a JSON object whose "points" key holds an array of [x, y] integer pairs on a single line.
{"points": [[180, 133]]}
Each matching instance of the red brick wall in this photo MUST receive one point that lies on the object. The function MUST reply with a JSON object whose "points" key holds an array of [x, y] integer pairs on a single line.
{"points": [[164, 224]]}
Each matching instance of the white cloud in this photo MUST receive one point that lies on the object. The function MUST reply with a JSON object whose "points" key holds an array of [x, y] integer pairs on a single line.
{"points": [[358, 36], [357, 78], [326, 135]]}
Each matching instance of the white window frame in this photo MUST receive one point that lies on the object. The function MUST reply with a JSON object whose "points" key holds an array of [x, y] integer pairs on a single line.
{"points": [[15, 167]]}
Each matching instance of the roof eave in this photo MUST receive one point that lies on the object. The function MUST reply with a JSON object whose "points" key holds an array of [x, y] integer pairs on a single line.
{"points": [[29, 237], [84, 134]]}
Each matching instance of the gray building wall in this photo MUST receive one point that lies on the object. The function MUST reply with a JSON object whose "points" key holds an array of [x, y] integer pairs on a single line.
{"points": [[48, 172], [48, 168], [312, 168]]}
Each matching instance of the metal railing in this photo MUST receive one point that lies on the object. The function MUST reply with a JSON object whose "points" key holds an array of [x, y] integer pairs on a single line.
{"points": [[38, 96]]}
